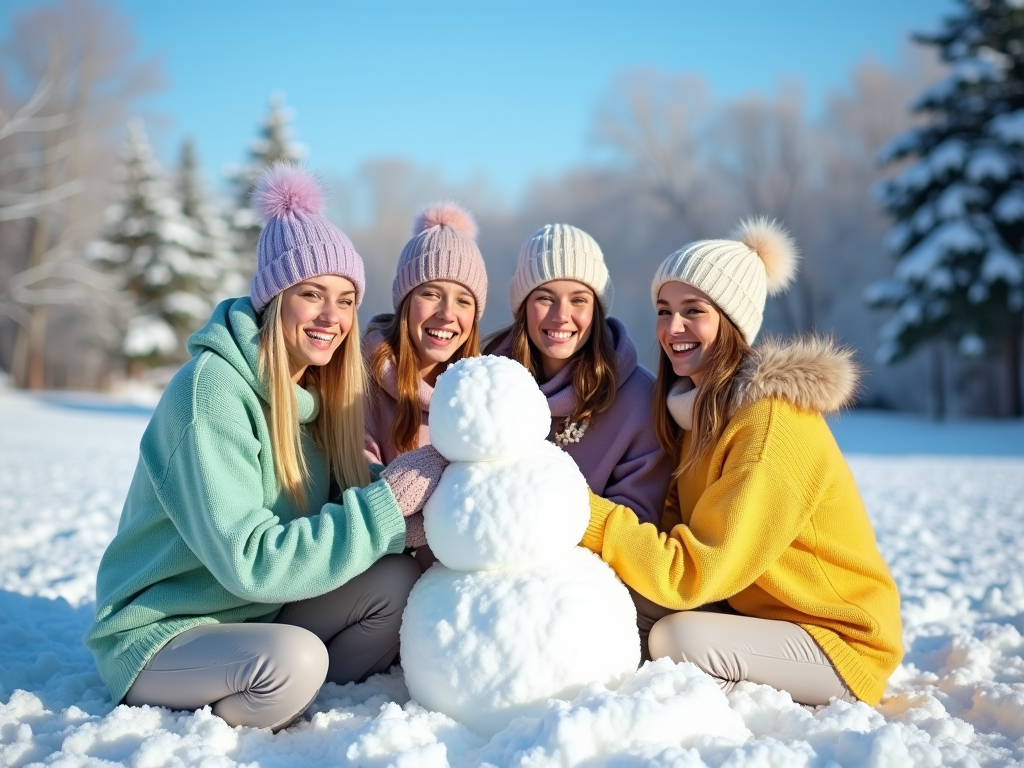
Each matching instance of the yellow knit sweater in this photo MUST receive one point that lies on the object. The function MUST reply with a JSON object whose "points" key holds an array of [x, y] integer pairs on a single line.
{"points": [[772, 522]]}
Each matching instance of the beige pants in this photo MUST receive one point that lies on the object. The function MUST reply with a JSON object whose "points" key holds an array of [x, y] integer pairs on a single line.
{"points": [[265, 675], [731, 647]]}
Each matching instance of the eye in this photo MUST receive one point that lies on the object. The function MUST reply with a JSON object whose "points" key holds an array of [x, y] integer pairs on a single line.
{"points": [[465, 302], [663, 312], [345, 303], [310, 295]]}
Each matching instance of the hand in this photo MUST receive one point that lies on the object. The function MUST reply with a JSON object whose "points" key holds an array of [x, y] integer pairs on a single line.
{"points": [[413, 476]]}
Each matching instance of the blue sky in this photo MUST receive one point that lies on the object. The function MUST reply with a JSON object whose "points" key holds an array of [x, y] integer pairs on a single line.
{"points": [[504, 89]]}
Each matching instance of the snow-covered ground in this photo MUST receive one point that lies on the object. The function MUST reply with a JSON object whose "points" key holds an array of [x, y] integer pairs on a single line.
{"points": [[948, 507]]}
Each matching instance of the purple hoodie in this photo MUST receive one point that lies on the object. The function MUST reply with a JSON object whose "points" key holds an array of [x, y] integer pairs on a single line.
{"points": [[382, 407], [618, 453]]}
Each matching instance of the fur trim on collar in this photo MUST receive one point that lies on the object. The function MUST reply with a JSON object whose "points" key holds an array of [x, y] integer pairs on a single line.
{"points": [[813, 373]]}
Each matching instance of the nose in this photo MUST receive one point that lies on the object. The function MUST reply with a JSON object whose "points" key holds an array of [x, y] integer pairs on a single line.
{"points": [[560, 311], [330, 313], [677, 324], [445, 309]]}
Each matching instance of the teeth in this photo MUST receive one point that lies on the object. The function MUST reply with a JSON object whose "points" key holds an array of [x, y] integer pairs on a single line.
{"points": [[437, 333], [560, 335], [684, 347], [320, 336]]}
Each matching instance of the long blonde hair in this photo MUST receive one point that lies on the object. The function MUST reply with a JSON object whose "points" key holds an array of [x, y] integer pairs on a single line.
{"points": [[338, 429], [595, 372], [711, 405], [397, 348]]}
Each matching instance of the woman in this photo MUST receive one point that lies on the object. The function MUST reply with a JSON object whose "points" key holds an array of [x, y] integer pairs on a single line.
{"points": [[586, 365], [439, 292], [233, 580], [767, 568]]}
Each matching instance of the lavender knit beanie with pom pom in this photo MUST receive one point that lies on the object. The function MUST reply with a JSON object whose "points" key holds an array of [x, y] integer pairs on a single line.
{"points": [[297, 241], [443, 247]]}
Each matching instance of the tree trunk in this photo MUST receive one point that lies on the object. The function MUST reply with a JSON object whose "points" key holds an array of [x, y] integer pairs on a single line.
{"points": [[28, 367], [1012, 359], [938, 381]]}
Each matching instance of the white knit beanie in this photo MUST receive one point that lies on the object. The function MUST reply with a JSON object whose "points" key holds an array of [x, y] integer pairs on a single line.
{"points": [[737, 274], [560, 252]]}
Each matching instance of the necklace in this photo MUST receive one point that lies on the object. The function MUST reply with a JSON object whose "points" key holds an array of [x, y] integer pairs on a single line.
{"points": [[571, 432]]}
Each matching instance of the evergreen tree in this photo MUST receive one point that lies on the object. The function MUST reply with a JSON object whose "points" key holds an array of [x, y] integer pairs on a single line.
{"points": [[215, 237], [157, 253], [273, 144], [958, 205]]}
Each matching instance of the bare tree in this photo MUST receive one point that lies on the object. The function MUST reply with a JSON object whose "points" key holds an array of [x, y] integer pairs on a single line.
{"points": [[658, 123], [55, 145]]}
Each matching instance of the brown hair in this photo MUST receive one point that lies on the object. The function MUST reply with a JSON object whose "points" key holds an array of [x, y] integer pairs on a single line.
{"points": [[596, 369], [711, 405], [397, 347], [338, 429]]}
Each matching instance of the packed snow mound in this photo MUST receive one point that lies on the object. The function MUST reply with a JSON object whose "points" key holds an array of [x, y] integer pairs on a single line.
{"points": [[488, 646], [512, 512], [487, 408]]}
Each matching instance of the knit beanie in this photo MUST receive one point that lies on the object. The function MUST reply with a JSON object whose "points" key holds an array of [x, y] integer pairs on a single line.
{"points": [[560, 252], [737, 274], [297, 242], [443, 247]]}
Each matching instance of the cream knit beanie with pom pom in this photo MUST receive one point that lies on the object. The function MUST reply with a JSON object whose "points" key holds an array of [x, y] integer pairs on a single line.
{"points": [[443, 247], [737, 274]]}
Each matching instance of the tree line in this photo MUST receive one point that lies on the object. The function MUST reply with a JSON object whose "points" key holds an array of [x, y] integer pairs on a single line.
{"points": [[905, 191]]}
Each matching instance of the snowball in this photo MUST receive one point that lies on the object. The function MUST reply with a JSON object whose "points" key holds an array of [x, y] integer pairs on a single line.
{"points": [[488, 646], [487, 408], [486, 515]]}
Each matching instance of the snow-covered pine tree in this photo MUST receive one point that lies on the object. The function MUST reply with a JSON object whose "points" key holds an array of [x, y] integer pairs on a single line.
{"points": [[958, 205], [227, 277], [155, 251], [273, 144]]}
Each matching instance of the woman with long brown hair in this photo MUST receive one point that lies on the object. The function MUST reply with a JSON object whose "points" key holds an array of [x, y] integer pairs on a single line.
{"points": [[237, 579], [586, 365], [765, 567]]}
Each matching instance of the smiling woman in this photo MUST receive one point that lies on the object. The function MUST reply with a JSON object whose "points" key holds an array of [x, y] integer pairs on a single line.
{"points": [[586, 365], [240, 578]]}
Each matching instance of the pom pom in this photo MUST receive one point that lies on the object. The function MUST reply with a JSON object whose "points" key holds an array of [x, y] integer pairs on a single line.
{"points": [[774, 245], [446, 214], [285, 190]]}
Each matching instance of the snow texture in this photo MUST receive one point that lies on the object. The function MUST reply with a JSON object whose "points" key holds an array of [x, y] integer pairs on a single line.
{"points": [[487, 412], [946, 500], [511, 512], [486, 647]]}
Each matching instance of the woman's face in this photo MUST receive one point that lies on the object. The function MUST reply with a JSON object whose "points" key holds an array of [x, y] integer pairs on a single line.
{"points": [[316, 315], [441, 317], [687, 327], [559, 319]]}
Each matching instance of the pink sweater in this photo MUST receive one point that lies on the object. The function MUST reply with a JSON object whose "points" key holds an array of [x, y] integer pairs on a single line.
{"points": [[382, 407], [618, 453]]}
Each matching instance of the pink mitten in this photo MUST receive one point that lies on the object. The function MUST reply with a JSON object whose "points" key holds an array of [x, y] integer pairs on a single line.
{"points": [[413, 476], [414, 535]]}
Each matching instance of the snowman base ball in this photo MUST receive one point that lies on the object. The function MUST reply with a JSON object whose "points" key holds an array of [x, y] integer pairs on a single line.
{"points": [[486, 647]]}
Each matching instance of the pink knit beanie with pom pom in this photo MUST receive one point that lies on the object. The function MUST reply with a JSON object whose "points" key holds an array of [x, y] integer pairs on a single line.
{"points": [[737, 274], [297, 241], [443, 247]]}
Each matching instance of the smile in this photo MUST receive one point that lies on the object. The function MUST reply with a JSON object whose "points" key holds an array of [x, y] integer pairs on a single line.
{"points": [[439, 334], [685, 346], [559, 335], [320, 336]]}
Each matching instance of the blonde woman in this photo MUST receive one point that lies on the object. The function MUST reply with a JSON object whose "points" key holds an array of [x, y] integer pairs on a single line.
{"points": [[766, 567], [235, 580]]}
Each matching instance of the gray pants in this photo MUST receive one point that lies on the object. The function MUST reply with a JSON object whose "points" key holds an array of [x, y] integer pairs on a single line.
{"points": [[265, 675], [731, 647]]}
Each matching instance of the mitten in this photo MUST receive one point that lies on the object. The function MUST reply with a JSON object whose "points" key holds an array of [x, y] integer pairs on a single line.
{"points": [[414, 534], [413, 476]]}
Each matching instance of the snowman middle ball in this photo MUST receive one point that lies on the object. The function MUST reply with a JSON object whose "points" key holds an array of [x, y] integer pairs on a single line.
{"points": [[521, 512]]}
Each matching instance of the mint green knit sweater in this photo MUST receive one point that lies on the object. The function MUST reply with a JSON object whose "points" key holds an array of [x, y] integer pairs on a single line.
{"points": [[205, 536]]}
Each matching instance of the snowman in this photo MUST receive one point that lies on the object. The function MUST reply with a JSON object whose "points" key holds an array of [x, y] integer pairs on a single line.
{"points": [[514, 613]]}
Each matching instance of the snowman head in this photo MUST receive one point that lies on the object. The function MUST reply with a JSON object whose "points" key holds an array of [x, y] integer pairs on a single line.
{"points": [[486, 409]]}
